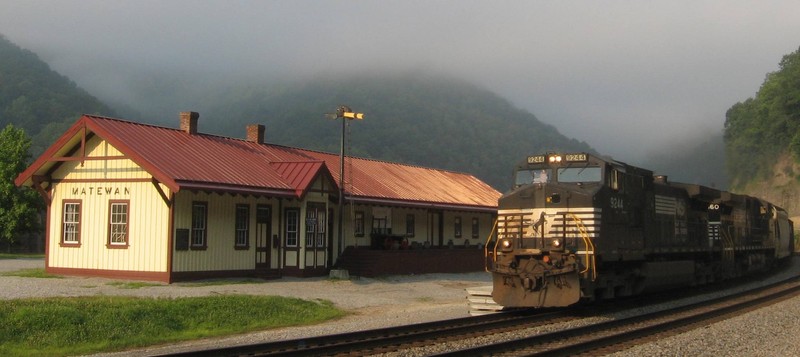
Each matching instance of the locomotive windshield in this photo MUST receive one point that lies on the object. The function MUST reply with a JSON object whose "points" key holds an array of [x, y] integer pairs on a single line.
{"points": [[564, 168], [525, 177], [564, 175]]}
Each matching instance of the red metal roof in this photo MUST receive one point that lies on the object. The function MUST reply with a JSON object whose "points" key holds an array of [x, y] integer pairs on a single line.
{"points": [[202, 161], [300, 175]]}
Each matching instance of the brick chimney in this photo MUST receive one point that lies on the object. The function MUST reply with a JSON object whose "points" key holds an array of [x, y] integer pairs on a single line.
{"points": [[255, 133], [189, 122]]}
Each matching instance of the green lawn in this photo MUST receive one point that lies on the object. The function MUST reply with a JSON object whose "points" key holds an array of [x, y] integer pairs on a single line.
{"points": [[70, 326]]}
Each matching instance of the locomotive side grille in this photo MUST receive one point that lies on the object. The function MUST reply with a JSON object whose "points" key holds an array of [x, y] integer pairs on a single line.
{"points": [[512, 225], [566, 226], [665, 205]]}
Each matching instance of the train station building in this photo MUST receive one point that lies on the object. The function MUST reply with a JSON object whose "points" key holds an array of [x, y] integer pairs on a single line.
{"points": [[137, 201]]}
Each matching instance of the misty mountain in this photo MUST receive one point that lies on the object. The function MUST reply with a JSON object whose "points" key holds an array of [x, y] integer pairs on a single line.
{"points": [[411, 117], [37, 99], [414, 118], [699, 160], [418, 119]]}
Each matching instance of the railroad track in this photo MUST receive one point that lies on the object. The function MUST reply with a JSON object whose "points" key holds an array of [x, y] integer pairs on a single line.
{"points": [[616, 335], [598, 338], [392, 338]]}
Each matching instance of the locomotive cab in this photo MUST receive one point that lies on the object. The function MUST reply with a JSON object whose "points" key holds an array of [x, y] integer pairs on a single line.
{"points": [[546, 229]]}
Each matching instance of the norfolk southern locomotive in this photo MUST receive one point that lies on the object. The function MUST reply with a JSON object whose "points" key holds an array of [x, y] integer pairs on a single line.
{"points": [[576, 226]]}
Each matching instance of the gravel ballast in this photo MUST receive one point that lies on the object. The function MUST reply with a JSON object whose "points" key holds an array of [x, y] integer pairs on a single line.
{"points": [[398, 300]]}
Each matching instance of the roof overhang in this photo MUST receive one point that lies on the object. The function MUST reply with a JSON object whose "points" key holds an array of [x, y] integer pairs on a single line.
{"points": [[75, 139], [422, 204], [233, 189]]}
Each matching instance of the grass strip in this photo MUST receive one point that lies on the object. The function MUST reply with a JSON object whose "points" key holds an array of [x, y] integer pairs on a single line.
{"points": [[132, 284], [21, 256], [82, 325], [32, 273]]}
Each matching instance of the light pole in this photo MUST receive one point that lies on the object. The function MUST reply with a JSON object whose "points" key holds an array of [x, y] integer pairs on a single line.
{"points": [[344, 113]]}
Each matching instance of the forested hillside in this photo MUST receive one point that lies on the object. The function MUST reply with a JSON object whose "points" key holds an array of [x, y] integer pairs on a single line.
{"points": [[762, 137], [419, 119], [414, 118], [37, 99]]}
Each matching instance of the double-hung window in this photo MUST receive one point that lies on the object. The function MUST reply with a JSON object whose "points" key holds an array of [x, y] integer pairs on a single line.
{"points": [[118, 224], [242, 226], [315, 224], [199, 225], [292, 226], [71, 223], [358, 224], [321, 225]]}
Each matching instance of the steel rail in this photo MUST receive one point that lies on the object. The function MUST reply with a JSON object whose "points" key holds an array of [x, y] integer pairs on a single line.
{"points": [[432, 333], [384, 338], [605, 334]]}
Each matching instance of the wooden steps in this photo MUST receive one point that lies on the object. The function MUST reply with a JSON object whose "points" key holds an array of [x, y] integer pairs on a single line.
{"points": [[481, 302]]}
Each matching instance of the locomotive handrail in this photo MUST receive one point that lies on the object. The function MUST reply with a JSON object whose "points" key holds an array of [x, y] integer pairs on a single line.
{"points": [[589, 246], [486, 247], [727, 255]]}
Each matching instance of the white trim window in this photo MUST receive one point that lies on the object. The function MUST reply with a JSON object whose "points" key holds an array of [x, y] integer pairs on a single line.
{"points": [[242, 226], [199, 224], [71, 223], [321, 224], [118, 223], [292, 227], [358, 224]]}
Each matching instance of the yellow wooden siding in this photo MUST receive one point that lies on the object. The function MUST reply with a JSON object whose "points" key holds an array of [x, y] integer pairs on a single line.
{"points": [[321, 258], [291, 259], [100, 169], [148, 214], [220, 253]]}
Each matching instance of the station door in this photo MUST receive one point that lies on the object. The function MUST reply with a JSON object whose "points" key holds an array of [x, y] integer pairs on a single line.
{"points": [[263, 236]]}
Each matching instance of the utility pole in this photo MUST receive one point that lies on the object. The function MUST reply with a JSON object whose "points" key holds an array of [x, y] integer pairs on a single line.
{"points": [[344, 113]]}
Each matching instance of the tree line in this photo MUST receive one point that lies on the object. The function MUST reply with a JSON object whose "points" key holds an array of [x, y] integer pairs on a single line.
{"points": [[762, 128]]}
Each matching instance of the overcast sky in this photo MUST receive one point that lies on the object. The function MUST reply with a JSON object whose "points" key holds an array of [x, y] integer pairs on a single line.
{"points": [[627, 77]]}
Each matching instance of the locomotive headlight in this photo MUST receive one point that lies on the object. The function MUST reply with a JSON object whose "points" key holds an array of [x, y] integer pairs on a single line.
{"points": [[554, 159], [557, 243], [506, 245]]}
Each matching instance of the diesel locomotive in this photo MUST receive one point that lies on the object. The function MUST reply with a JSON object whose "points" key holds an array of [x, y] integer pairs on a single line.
{"points": [[576, 226]]}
